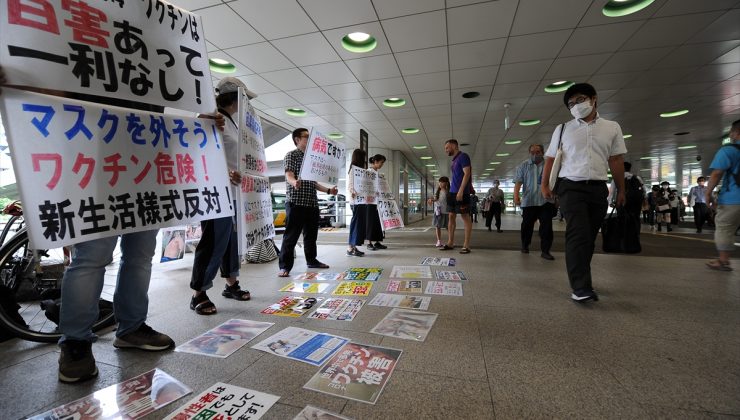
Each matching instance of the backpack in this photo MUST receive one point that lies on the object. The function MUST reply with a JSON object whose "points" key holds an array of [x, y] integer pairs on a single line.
{"points": [[262, 252], [634, 192]]}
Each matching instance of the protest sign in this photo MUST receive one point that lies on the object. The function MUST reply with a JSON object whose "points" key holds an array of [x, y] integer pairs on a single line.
{"points": [[402, 301], [144, 51], [406, 324], [338, 309], [390, 215], [322, 160], [226, 401], [292, 306], [173, 244], [353, 288], [363, 273], [410, 286], [255, 212], [251, 149], [364, 184], [297, 287], [411, 272], [88, 171], [438, 261], [447, 288], [450, 275]]}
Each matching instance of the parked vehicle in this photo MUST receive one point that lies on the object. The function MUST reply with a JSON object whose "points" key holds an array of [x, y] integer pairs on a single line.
{"points": [[328, 210], [278, 210]]}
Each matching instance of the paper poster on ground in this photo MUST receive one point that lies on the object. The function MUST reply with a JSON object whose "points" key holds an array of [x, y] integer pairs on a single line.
{"points": [[363, 273], [291, 306], [438, 261], [322, 276], [322, 160], [225, 339], [447, 288], [338, 309], [401, 301], [297, 287], [310, 412], [130, 399], [303, 345], [173, 244], [353, 288], [88, 171], [406, 324], [364, 183], [224, 401], [410, 286], [132, 50], [357, 371], [411, 272], [451, 275]]}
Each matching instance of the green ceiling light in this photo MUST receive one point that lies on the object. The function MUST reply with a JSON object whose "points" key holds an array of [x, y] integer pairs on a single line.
{"points": [[410, 131], [617, 8], [295, 112], [502, 154], [512, 141], [419, 147], [336, 135], [394, 102], [558, 87], [431, 165], [674, 113], [648, 158], [688, 146], [221, 66], [425, 157], [359, 42], [495, 163], [626, 136], [726, 140], [526, 123]]}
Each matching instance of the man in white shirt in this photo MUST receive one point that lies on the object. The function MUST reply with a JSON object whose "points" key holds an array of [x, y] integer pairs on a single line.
{"points": [[591, 146], [696, 200]]}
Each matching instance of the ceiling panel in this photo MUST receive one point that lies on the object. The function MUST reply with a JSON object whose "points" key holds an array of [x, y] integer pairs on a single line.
{"points": [[437, 97], [260, 58], [262, 15], [542, 16], [661, 32], [289, 79], [480, 21], [346, 91], [535, 46], [428, 60], [680, 7], [258, 85], [394, 86], [393, 8], [427, 82], [477, 54], [220, 24], [369, 116], [359, 105], [193, 5], [415, 32], [473, 77], [328, 14], [325, 108], [305, 50], [329, 73], [309, 96], [278, 100], [599, 39], [370, 68], [723, 29], [522, 72], [634, 60]]}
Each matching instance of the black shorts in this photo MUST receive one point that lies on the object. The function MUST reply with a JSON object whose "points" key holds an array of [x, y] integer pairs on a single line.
{"points": [[458, 207]]}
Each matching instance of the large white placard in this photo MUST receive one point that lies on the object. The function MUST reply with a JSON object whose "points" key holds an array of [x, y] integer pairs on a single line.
{"points": [[88, 171], [390, 215], [255, 212], [323, 159], [143, 51], [364, 183], [251, 143]]}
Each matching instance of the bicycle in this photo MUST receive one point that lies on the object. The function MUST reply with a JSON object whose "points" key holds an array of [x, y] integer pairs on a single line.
{"points": [[14, 224], [30, 290]]}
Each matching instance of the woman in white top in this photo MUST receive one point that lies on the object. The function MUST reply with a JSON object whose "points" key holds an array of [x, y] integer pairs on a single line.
{"points": [[440, 208]]}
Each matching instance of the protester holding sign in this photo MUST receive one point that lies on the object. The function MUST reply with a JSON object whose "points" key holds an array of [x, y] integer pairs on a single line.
{"points": [[358, 225], [301, 208], [374, 227], [218, 247]]}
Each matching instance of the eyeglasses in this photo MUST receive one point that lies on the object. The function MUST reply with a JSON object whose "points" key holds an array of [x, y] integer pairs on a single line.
{"points": [[577, 100]]}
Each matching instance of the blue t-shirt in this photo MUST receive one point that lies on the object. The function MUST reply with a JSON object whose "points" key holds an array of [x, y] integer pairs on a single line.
{"points": [[728, 159], [458, 163]]}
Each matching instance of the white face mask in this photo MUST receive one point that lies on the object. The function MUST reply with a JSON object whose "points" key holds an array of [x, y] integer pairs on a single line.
{"points": [[582, 110]]}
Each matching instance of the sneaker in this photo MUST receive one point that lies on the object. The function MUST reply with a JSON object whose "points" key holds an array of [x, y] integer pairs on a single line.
{"points": [[378, 245], [438, 244], [584, 296], [371, 247], [144, 338], [354, 253], [76, 361]]}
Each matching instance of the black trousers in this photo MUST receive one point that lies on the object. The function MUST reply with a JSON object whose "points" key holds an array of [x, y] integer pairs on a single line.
{"points": [[701, 214], [299, 219], [584, 207], [530, 215], [494, 211]]}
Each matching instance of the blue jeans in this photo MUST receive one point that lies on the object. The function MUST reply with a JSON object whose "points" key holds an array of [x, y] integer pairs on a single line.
{"points": [[218, 248], [83, 283]]}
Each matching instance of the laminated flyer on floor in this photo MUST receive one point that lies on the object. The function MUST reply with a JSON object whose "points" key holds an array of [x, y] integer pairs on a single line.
{"points": [[292, 306], [450, 275], [225, 339], [446, 288], [130, 399], [303, 345], [338, 309], [353, 288], [357, 371], [406, 324], [450, 262], [363, 273], [298, 287], [310, 412], [226, 401], [411, 272], [410, 286], [316, 276], [401, 301]]}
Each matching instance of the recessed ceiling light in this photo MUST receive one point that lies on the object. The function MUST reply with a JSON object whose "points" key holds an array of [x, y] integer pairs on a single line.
{"points": [[221, 66], [617, 8], [431, 165], [512, 141], [502, 154], [526, 123], [674, 113], [410, 131], [648, 158], [295, 112], [626, 136], [336, 135], [688, 146], [425, 157], [682, 133], [359, 42], [419, 147], [470, 95], [464, 144], [495, 163], [560, 86], [394, 102]]}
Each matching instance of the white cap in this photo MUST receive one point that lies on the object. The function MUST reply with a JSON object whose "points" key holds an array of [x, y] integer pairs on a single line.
{"points": [[232, 84]]}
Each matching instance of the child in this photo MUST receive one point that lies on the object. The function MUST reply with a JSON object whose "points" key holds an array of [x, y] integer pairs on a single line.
{"points": [[440, 208], [662, 209]]}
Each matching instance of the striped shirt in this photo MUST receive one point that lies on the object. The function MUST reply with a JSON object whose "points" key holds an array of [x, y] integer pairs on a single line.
{"points": [[530, 175]]}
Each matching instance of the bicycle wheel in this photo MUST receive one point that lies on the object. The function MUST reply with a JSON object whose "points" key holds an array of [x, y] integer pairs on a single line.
{"points": [[33, 278], [11, 228]]}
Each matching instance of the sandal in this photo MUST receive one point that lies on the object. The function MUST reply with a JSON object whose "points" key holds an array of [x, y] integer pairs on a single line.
{"points": [[283, 273], [719, 265], [202, 305], [465, 251], [446, 247], [235, 292]]}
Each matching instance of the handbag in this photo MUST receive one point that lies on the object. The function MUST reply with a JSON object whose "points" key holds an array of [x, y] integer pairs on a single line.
{"points": [[555, 171], [621, 233], [262, 252]]}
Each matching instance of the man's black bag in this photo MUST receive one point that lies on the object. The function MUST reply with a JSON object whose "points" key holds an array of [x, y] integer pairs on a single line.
{"points": [[621, 233]]}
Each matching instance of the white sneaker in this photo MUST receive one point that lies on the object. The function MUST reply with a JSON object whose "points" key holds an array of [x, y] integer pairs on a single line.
{"points": [[439, 244]]}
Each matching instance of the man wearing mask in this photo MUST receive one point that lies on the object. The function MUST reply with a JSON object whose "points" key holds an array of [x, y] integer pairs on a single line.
{"points": [[495, 197], [696, 200], [534, 205], [591, 146]]}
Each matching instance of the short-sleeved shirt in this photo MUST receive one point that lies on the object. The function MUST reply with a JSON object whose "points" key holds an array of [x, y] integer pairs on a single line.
{"points": [[587, 148], [306, 195], [496, 195], [459, 162], [530, 175], [728, 159]]}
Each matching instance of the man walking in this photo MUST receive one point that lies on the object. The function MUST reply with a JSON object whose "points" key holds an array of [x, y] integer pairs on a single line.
{"points": [[534, 205], [495, 198], [591, 146], [697, 201], [458, 200]]}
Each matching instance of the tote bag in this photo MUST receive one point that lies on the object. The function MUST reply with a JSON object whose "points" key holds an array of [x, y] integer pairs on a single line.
{"points": [[558, 160]]}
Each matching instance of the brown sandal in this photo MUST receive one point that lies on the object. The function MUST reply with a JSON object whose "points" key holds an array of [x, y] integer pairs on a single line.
{"points": [[283, 273], [202, 305]]}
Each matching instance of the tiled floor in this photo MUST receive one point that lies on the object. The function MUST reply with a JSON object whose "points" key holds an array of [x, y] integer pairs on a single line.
{"points": [[663, 341]]}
